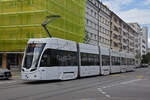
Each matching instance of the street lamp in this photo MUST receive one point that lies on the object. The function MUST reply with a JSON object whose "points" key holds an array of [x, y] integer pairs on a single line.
{"points": [[47, 21]]}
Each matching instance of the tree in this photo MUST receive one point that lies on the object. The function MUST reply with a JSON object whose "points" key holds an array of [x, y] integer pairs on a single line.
{"points": [[138, 57], [87, 38], [146, 58]]}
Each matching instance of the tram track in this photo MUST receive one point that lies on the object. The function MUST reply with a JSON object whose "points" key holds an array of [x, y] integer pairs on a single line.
{"points": [[36, 90], [11, 85], [26, 83], [68, 89], [63, 87]]}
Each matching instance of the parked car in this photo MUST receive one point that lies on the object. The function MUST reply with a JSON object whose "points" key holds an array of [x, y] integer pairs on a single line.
{"points": [[144, 65], [5, 74]]}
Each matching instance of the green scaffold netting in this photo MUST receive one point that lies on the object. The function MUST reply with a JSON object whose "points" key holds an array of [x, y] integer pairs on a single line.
{"points": [[21, 20]]}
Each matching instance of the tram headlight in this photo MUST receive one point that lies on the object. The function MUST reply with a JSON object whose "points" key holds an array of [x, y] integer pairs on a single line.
{"points": [[35, 76]]}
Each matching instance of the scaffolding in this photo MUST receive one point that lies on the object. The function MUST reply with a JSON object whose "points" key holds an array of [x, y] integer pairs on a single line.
{"points": [[21, 20]]}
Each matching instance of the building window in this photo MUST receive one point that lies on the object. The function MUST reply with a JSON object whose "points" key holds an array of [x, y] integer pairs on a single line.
{"points": [[90, 23], [115, 19], [30, 2], [87, 10], [100, 18], [130, 61], [102, 39], [91, 12], [87, 21], [95, 26], [12, 20], [13, 4], [91, 35], [29, 19], [95, 37], [95, 14]]}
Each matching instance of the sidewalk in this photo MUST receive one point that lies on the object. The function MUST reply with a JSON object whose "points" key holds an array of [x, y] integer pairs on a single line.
{"points": [[16, 75]]}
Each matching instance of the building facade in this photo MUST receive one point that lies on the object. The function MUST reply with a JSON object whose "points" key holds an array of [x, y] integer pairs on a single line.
{"points": [[116, 32], [138, 34], [21, 20], [92, 22], [85, 21], [125, 37], [98, 19], [142, 38], [104, 26]]}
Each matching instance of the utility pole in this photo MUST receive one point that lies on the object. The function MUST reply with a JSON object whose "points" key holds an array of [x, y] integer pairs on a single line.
{"points": [[99, 47]]}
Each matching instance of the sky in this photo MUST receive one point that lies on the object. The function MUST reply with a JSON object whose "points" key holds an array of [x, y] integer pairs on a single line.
{"points": [[131, 11]]}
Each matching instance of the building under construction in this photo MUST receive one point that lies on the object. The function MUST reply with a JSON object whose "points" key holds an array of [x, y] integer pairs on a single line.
{"points": [[21, 20]]}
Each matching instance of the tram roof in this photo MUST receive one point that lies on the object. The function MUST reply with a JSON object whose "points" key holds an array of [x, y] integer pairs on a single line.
{"points": [[46, 40]]}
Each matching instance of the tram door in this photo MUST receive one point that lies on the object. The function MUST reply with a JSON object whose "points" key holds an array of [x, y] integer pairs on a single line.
{"points": [[48, 71]]}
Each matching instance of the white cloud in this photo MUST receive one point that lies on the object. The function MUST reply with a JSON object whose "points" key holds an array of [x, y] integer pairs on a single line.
{"points": [[115, 5], [142, 16], [147, 2]]}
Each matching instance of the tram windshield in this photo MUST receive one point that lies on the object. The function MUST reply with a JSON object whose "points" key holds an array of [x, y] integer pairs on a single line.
{"points": [[32, 55]]}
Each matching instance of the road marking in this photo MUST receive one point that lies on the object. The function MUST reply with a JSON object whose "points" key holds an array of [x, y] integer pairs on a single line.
{"points": [[116, 84], [140, 76], [122, 83], [108, 96], [102, 92], [115, 75], [6, 82], [85, 99]]}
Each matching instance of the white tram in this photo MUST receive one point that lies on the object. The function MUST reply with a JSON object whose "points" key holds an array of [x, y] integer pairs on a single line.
{"points": [[59, 59], [105, 61]]}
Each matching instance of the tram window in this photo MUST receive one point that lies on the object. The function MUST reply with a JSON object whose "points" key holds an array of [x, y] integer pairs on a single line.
{"points": [[52, 57], [133, 60], [45, 61], [115, 60], [105, 60], [123, 61], [88, 59], [130, 61]]}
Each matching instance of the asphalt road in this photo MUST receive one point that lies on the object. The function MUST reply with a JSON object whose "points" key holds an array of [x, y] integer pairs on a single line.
{"points": [[124, 86]]}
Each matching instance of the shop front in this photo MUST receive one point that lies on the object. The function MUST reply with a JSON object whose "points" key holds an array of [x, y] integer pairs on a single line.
{"points": [[11, 60], [0, 60]]}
